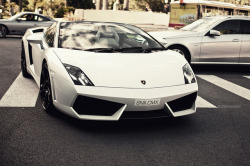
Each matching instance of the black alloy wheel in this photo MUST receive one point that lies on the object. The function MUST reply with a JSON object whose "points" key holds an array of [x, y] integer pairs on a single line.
{"points": [[3, 31], [23, 64], [45, 91]]}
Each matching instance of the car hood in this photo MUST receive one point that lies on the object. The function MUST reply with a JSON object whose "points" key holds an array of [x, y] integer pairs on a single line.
{"points": [[172, 34], [127, 70]]}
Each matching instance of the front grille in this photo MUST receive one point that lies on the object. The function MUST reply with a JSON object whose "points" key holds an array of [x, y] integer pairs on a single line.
{"points": [[92, 106], [145, 114], [183, 103]]}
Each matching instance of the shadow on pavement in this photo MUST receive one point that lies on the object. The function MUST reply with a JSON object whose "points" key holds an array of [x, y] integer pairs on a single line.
{"points": [[12, 37], [127, 125]]}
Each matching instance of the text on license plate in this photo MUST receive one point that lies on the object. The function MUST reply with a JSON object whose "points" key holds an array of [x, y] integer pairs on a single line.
{"points": [[147, 102]]}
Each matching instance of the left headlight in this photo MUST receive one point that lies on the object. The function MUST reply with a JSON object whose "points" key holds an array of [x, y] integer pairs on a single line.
{"points": [[78, 76], [188, 74]]}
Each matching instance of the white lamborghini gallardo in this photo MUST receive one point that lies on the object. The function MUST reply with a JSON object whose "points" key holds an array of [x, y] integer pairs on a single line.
{"points": [[107, 71]]}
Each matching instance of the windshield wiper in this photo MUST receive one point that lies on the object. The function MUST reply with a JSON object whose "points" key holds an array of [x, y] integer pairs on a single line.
{"points": [[124, 49], [127, 49], [103, 49]]}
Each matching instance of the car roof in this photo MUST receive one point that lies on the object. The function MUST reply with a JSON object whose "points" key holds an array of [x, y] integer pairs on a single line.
{"points": [[229, 17]]}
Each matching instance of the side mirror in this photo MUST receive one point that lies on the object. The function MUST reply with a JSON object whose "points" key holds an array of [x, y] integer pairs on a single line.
{"points": [[18, 19], [36, 39], [214, 33]]}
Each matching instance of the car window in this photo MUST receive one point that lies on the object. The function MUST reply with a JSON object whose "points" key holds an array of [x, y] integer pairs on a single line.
{"points": [[200, 24], [228, 27], [246, 29], [28, 17], [50, 35], [42, 19]]}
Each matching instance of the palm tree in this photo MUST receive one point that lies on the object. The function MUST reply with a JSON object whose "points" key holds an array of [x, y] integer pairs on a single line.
{"points": [[126, 5], [98, 4], [20, 5], [105, 4]]}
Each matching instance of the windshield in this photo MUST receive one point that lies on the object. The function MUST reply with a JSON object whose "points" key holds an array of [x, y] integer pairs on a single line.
{"points": [[200, 24], [15, 16], [95, 35]]}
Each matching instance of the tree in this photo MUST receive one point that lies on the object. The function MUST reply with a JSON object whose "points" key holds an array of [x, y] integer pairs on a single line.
{"points": [[105, 4], [20, 5], [81, 4], [126, 5], [155, 5], [98, 4]]}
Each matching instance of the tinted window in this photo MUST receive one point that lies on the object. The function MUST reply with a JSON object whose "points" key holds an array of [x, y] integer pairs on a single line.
{"points": [[50, 35], [246, 27], [28, 17], [43, 19], [228, 27]]}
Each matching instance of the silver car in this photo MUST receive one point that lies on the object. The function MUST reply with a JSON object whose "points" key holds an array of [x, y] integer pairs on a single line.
{"points": [[19, 23], [220, 39]]}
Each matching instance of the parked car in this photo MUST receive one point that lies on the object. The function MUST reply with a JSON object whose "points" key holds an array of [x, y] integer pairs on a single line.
{"points": [[107, 71], [220, 39], [19, 23]]}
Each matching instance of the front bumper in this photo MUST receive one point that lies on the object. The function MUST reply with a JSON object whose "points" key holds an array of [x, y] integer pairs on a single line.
{"points": [[105, 103]]}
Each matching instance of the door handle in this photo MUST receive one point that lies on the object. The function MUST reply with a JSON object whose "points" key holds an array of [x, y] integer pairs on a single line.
{"points": [[35, 25], [235, 40]]}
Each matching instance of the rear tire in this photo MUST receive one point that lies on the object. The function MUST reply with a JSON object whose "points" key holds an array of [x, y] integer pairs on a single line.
{"points": [[183, 51], [45, 91], [3, 31], [24, 64]]}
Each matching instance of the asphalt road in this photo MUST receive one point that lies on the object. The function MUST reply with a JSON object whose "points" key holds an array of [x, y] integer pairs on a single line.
{"points": [[217, 135]]}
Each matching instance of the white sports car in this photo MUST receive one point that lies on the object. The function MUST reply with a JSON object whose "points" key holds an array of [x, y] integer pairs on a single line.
{"points": [[107, 71]]}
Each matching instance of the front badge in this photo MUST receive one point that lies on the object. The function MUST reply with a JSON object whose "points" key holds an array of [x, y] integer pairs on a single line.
{"points": [[143, 82]]}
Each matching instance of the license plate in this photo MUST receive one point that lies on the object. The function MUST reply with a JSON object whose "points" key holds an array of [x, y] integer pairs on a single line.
{"points": [[147, 102]]}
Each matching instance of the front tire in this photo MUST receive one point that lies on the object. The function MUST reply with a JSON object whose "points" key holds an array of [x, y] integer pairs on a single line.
{"points": [[24, 64], [3, 31], [183, 51], [45, 91]]}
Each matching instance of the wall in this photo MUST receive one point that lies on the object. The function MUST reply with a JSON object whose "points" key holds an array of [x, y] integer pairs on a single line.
{"points": [[131, 17]]}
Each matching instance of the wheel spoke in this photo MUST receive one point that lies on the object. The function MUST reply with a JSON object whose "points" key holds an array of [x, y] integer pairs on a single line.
{"points": [[45, 89]]}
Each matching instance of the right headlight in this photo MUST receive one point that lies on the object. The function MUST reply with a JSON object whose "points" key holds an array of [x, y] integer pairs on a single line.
{"points": [[78, 76], [188, 74]]}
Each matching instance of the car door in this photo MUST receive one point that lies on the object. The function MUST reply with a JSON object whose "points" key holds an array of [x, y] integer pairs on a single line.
{"points": [[223, 48], [37, 51], [24, 22], [245, 46]]}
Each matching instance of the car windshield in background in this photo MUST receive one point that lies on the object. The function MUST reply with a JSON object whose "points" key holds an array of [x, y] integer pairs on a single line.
{"points": [[200, 24], [101, 37]]}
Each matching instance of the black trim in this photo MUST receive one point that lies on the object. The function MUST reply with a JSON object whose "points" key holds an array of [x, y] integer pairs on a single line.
{"points": [[146, 114], [91, 106], [183, 103], [37, 30], [30, 53]]}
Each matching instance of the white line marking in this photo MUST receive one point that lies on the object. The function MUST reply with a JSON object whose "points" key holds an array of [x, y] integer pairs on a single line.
{"points": [[247, 77], [202, 103], [229, 86], [22, 93]]}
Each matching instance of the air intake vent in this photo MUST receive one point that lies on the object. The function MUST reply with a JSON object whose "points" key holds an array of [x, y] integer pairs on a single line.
{"points": [[37, 30], [92, 106], [183, 103]]}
